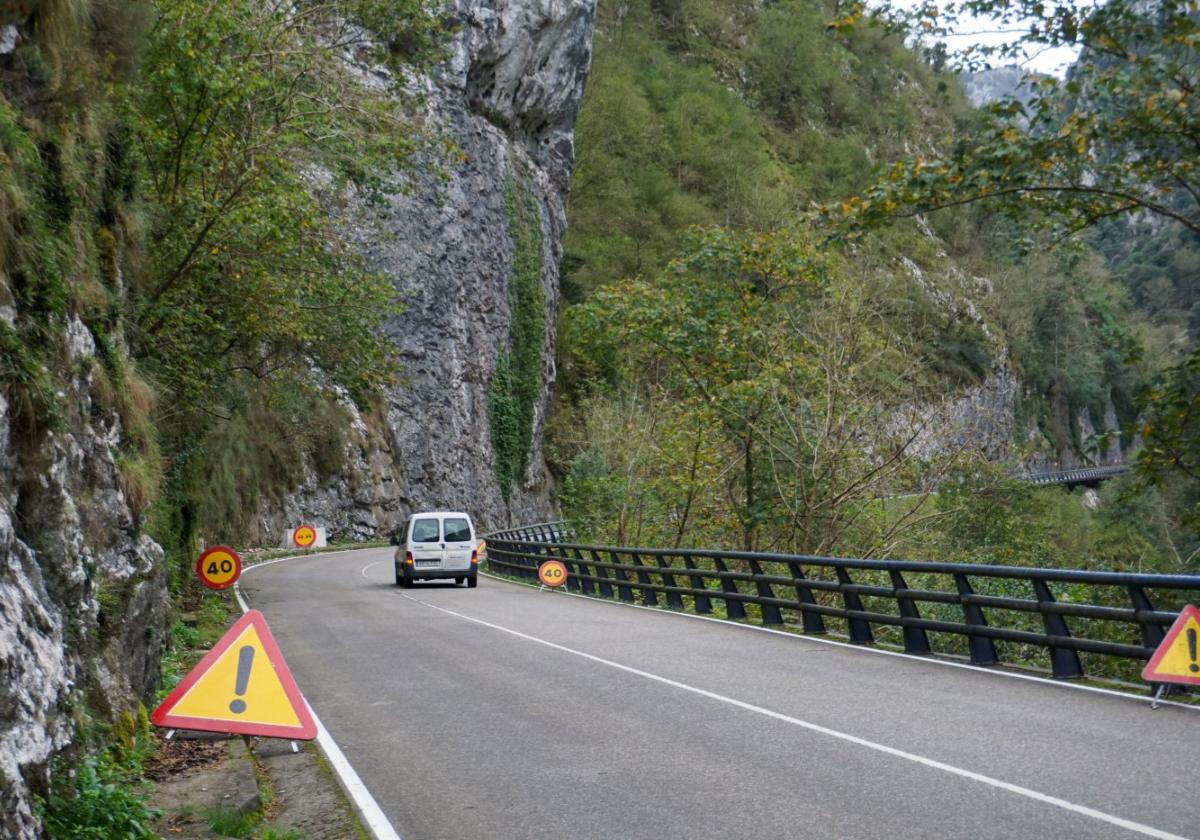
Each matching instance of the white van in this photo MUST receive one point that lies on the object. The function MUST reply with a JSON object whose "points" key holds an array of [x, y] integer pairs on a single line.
{"points": [[437, 544]]}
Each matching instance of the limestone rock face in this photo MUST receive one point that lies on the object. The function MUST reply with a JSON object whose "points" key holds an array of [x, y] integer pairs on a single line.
{"points": [[81, 593], [980, 419], [507, 96]]}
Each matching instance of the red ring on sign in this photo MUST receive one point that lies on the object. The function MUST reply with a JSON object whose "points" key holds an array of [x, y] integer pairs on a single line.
{"points": [[304, 536], [219, 582], [552, 573]]}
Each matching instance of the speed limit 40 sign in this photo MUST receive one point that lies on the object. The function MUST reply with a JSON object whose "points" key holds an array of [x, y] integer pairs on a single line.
{"points": [[219, 567], [552, 573]]}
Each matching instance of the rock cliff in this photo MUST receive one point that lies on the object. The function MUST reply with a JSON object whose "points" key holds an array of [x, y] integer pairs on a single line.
{"points": [[82, 590], [81, 593], [507, 96]]}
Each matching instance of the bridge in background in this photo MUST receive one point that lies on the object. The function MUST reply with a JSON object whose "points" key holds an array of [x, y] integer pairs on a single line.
{"points": [[1081, 477]]}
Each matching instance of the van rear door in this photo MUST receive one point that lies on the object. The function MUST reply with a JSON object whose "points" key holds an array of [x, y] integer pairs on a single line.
{"points": [[425, 540], [459, 538]]}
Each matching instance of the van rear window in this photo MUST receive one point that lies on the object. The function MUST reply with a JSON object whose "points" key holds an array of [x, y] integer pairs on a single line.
{"points": [[425, 530], [457, 530]]}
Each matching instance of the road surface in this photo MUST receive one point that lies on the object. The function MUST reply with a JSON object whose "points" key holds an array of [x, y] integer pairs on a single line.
{"points": [[506, 713]]}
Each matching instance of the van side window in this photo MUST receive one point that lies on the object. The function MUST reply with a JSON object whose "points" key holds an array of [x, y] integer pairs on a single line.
{"points": [[425, 530], [457, 529]]}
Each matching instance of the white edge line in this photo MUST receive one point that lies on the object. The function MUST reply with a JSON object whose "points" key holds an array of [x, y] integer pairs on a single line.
{"points": [[364, 803], [804, 637], [1083, 810]]}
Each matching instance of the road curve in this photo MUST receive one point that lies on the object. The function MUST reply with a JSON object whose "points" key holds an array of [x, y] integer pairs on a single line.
{"points": [[505, 713]]}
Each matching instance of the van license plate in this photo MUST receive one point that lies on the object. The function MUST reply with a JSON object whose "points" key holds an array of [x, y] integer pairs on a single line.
{"points": [[426, 563]]}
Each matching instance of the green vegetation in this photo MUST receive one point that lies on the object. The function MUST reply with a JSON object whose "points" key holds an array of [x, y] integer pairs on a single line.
{"points": [[1114, 140], [177, 177], [692, 407], [516, 385], [97, 804], [97, 798]]}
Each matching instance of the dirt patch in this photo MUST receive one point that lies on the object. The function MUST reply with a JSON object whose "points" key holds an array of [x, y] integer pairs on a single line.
{"points": [[209, 788], [177, 756]]}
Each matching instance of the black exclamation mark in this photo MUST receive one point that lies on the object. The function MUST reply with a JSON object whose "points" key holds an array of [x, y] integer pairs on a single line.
{"points": [[1191, 634], [246, 659]]}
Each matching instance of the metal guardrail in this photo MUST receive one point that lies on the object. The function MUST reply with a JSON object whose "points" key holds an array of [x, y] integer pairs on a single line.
{"points": [[1084, 475], [783, 586]]}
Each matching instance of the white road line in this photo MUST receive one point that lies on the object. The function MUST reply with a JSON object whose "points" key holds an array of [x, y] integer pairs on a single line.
{"points": [[866, 649], [368, 809], [1129, 825], [363, 570]]}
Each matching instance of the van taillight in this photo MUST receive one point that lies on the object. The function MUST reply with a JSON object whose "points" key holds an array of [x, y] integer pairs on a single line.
{"points": [[408, 558], [474, 557]]}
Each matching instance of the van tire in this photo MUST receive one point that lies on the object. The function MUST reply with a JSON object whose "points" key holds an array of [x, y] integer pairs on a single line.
{"points": [[472, 582]]}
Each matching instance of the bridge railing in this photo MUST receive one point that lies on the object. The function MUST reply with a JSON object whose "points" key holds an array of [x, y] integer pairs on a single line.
{"points": [[1061, 612], [1080, 475]]}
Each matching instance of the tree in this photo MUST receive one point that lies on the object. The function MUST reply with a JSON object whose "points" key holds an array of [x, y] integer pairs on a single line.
{"points": [[1118, 136], [252, 123], [772, 390]]}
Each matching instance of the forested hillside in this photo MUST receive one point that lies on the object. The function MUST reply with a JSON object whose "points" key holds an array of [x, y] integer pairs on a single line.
{"points": [[738, 371]]}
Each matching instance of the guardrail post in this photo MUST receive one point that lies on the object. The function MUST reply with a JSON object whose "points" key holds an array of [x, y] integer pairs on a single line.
{"points": [[983, 651], [649, 598], [673, 599], [703, 604], [734, 608], [860, 629], [813, 623], [585, 586], [770, 612], [1152, 632], [1064, 662], [573, 569], [605, 587], [531, 564], [915, 639], [623, 588]]}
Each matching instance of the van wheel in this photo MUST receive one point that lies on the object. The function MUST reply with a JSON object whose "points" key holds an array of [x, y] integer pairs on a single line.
{"points": [[458, 581], [405, 583], [472, 582]]}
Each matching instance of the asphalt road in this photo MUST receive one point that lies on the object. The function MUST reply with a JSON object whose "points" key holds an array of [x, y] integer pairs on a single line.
{"points": [[505, 713]]}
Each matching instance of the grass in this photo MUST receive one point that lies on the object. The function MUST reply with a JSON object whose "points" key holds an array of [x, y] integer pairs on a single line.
{"points": [[228, 822]]}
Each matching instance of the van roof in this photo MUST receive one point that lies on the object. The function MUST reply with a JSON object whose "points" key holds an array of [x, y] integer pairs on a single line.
{"points": [[440, 513]]}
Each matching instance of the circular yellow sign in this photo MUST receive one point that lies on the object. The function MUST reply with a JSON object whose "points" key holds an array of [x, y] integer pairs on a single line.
{"points": [[552, 573], [219, 567], [304, 536]]}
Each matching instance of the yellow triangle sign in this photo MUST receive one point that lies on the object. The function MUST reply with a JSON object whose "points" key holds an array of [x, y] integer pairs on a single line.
{"points": [[241, 686], [1177, 659]]}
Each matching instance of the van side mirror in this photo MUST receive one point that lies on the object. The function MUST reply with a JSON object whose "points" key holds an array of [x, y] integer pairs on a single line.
{"points": [[395, 538]]}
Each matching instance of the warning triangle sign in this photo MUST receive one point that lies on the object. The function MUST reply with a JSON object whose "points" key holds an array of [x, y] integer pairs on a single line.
{"points": [[1176, 659], [241, 686]]}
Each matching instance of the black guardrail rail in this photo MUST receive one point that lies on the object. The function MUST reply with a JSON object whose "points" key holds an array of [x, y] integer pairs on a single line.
{"points": [[1113, 613]]}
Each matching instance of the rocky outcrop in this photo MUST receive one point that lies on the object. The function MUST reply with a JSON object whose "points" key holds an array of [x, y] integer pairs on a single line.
{"points": [[507, 96], [978, 420], [81, 593]]}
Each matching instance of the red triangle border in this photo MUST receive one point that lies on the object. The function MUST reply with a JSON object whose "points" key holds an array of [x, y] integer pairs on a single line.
{"points": [[1149, 673], [306, 731]]}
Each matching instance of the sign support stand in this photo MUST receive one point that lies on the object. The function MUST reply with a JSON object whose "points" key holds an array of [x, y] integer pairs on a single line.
{"points": [[1163, 690]]}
